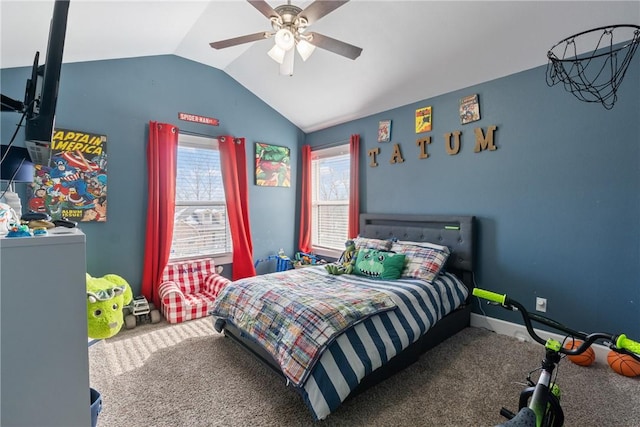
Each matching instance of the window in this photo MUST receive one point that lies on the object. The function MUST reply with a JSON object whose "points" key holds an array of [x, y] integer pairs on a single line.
{"points": [[330, 170], [201, 227]]}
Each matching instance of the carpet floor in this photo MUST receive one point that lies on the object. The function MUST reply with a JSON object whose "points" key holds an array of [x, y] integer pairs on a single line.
{"points": [[189, 375]]}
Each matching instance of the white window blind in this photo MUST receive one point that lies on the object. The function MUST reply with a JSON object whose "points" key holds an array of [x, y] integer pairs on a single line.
{"points": [[330, 199], [201, 227]]}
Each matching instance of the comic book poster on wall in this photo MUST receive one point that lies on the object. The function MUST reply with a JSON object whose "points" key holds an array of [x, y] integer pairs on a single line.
{"points": [[423, 119], [469, 109], [74, 186], [273, 165]]}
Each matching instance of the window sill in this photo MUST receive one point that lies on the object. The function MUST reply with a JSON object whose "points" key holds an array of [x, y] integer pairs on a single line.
{"points": [[325, 252], [220, 259]]}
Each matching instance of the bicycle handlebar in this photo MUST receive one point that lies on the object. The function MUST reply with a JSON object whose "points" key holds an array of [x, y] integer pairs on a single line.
{"points": [[628, 344], [619, 343], [490, 296]]}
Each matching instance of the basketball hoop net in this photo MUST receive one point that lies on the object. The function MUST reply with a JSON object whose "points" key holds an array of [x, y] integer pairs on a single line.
{"points": [[594, 75]]}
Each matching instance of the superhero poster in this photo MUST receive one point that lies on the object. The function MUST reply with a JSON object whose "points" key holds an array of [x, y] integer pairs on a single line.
{"points": [[273, 165], [74, 186]]}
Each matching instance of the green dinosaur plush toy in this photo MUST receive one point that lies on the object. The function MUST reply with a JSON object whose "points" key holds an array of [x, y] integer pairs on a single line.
{"points": [[106, 296], [344, 265]]}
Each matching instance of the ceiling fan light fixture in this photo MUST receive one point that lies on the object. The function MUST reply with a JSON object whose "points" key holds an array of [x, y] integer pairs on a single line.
{"points": [[277, 54], [286, 68], [284, 39], [290, 25], [305, 49]]}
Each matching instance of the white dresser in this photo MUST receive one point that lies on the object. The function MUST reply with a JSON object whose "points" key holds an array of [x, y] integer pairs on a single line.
{"points": [[43, 331]]}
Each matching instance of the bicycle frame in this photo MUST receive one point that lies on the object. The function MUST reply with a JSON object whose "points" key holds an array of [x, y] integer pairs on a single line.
{"points": [[543, 399], [539, 405]]}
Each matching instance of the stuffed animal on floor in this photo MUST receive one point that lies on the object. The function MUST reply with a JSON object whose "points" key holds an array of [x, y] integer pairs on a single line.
{"points": [[344, 265], [106, 296]]}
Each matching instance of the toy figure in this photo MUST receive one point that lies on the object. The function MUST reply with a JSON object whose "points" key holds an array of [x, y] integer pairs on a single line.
{"points": [[344, 265], [106, 296], [16, 230]]}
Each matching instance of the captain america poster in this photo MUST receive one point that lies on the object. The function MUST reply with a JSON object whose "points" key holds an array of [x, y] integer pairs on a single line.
{"points": [[74, 184]]}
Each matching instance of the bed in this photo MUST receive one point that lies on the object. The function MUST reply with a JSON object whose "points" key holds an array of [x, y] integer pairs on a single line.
{"points": [[400, 320]]}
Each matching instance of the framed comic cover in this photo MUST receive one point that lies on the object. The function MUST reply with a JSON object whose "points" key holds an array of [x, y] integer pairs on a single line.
{"points": [[469, 109], [423, 119], [273, 165], [74, 187], [384, 131]]}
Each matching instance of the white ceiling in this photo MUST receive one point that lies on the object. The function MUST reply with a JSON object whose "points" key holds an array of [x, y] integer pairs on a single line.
{"points": [[412, 50]]}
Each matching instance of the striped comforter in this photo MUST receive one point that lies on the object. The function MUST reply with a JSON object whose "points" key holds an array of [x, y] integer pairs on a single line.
{"points": [[374, 340]]}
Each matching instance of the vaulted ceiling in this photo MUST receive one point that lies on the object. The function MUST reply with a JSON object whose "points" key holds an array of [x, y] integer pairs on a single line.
{"points": [[412, 50]]}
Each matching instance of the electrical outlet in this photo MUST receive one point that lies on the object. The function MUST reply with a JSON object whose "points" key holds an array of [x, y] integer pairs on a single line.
{"points": [[541, 304]]}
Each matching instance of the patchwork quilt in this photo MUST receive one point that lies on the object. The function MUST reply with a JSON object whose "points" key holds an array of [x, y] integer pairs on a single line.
{"points": [[296, 314]]}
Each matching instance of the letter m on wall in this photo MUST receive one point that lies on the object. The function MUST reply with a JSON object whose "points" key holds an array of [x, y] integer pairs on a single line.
{"points": [[485, 142]]}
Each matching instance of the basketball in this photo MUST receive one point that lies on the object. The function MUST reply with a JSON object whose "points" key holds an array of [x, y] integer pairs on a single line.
{"points": [[623, 364], [585, 359]]}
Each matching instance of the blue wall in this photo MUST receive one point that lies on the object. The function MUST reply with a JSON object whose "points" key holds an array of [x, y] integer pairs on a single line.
{"points": [[558, 202], [118, 98]]}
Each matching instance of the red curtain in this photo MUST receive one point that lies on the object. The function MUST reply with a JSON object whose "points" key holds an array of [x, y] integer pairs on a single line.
{"points": [[354, 187], [233, 162], [162, 152], [304, 241]]}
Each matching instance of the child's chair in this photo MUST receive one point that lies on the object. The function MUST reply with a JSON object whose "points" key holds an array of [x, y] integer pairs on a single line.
{"points": [[189, 288]]}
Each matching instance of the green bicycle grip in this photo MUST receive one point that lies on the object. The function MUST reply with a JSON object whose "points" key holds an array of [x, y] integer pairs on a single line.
{"points": [[488, 295], [628, 344]]}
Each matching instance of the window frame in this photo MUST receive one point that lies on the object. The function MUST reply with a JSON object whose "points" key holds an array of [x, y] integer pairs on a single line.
{"points": [[325, 153], [209, 143]]}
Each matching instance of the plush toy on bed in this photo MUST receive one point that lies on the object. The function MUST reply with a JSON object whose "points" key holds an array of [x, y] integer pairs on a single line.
{"points": [[344, 265], [106, 296]]}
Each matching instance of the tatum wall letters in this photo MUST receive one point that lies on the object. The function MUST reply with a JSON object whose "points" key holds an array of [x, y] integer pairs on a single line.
{"points": [[484, 141]]}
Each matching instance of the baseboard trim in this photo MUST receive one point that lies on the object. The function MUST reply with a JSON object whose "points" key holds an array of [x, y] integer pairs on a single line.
{"points": [[515, 330]]}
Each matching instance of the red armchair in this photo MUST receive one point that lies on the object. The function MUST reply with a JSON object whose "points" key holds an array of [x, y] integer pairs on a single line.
{"points": [[189, 288]]}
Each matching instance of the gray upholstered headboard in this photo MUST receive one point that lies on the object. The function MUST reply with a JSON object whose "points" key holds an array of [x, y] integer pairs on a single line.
{"points": [[455, 232]]}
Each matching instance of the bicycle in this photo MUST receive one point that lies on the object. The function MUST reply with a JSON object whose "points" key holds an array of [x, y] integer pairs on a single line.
{"points": [[539, 403]]}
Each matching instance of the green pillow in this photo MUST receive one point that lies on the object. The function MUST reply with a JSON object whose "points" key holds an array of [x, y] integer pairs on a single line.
{"points": [[378, 264]]}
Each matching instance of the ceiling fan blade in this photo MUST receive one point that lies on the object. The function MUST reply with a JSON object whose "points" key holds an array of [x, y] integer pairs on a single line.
{"points": [[240, 40], [336, 46], [318, 9], [264, 8]]}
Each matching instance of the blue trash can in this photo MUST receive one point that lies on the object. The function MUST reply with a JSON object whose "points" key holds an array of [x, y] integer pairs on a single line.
{"points": [[96, 406]]}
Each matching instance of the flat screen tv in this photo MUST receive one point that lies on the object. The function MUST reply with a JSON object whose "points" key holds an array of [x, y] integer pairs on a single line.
{"points": [[41, 93]]}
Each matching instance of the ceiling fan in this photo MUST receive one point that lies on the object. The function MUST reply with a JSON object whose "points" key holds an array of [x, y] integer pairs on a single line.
{"points": [[289, 25]]}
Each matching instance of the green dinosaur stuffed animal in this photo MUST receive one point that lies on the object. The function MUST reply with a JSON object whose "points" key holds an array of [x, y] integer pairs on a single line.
{"points": [[106, 296], [344, 265]]}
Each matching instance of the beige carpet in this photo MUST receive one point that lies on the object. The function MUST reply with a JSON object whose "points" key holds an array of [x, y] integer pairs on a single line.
{"points": [[189, 375]]}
